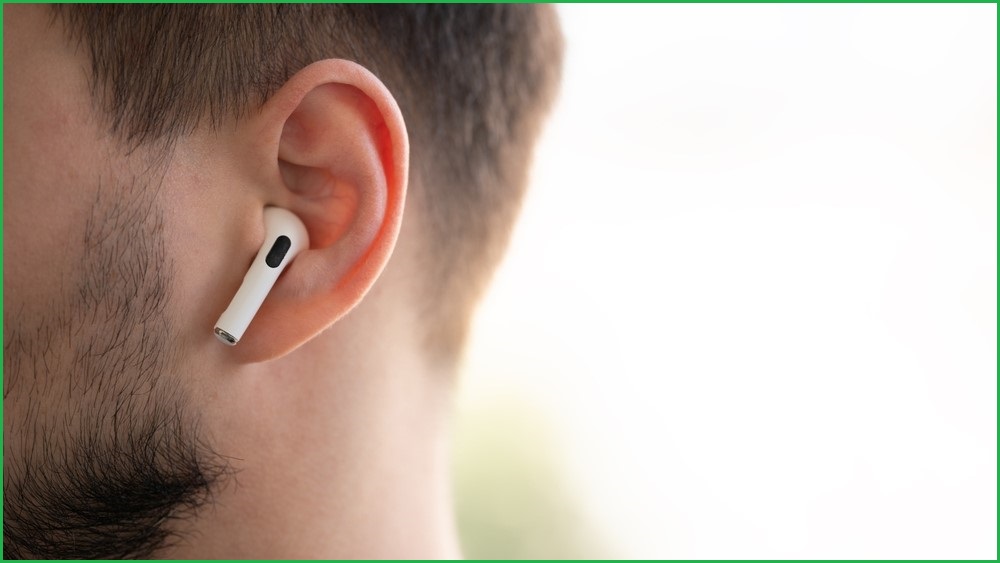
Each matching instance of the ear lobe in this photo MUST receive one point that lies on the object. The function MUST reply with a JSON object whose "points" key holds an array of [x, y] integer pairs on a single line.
{"points": [[336, 137]]}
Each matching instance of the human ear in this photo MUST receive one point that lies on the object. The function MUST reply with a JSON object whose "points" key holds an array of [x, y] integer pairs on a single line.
{"points": [[331, 147]]}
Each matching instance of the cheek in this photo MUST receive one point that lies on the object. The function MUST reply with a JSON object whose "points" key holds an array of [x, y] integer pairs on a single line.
{"points": [[50, 184], [53, 156]]}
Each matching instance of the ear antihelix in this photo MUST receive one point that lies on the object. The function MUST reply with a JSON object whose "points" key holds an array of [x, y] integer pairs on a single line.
{"points": [[284, 237]]}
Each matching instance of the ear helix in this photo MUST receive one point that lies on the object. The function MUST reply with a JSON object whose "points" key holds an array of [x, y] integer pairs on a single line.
{"points": [[284, 237]]}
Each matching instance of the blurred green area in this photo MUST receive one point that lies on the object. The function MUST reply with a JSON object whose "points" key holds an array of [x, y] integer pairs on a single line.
{"points": [[511, 497]]}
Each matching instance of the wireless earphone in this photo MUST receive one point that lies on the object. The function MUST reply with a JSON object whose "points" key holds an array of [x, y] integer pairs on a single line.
{"points": [[284, 237]]}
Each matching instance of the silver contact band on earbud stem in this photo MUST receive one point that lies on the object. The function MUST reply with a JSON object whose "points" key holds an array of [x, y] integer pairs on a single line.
{"points": [[225, 337]]}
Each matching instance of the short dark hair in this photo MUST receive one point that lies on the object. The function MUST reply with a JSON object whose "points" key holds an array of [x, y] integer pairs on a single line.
{"points": [[473, 83]]}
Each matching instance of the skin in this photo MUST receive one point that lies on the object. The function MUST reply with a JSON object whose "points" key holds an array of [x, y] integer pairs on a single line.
{"points": [[333, 425]]}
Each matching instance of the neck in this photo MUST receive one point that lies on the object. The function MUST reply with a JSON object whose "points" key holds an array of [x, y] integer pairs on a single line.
{"points": [[351, 463]]}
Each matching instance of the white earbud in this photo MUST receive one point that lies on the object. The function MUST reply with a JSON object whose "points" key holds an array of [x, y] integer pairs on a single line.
{"points": [[284, 237]]}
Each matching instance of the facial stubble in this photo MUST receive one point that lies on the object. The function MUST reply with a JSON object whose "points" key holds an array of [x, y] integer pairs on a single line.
{"points": [[102, 454]]}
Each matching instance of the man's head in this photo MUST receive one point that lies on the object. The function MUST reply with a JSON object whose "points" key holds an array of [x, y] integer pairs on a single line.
{"points": [[142, 144]]}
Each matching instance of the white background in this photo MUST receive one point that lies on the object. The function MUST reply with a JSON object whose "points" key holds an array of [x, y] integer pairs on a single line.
{"points": [[753, 288]]}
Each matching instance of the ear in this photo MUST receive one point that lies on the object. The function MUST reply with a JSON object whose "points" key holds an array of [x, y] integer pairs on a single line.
{"points": [[332, 148]]}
